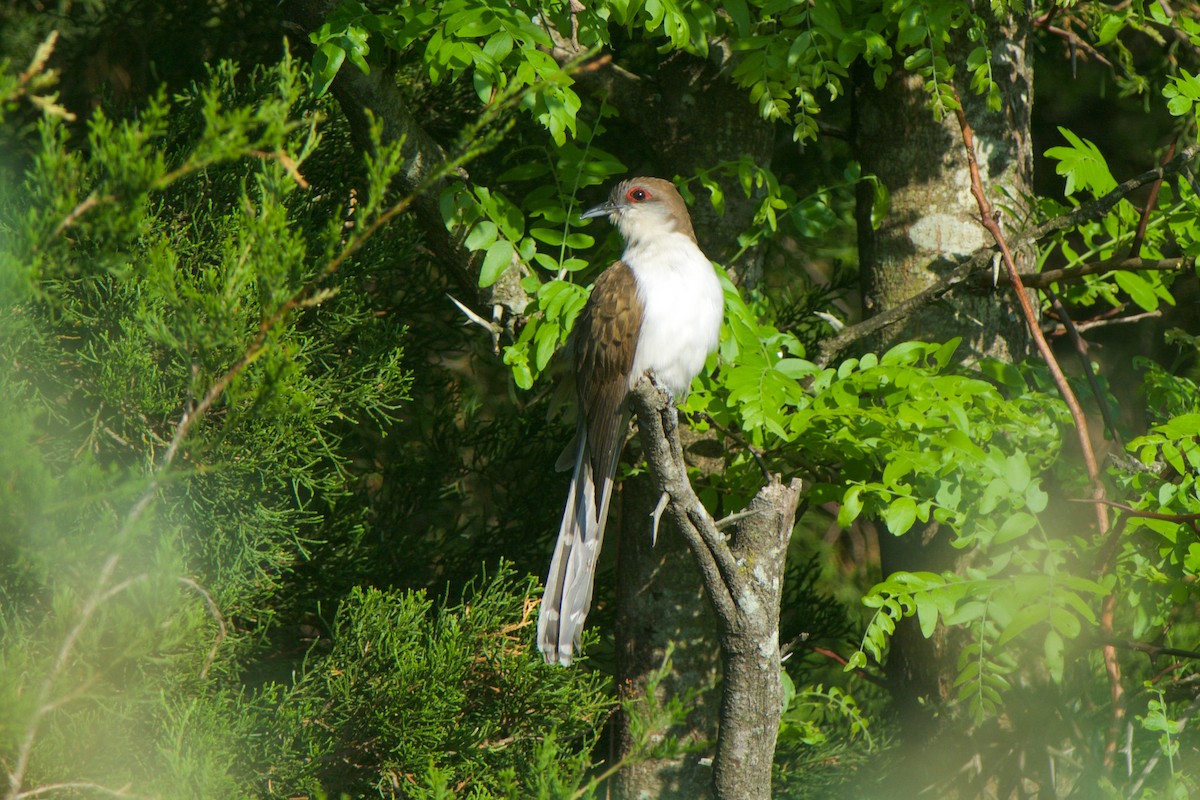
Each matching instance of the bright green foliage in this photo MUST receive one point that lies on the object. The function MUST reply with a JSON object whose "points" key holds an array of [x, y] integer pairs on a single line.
{"points": [[907, 438], [1085, 169], [496, 43], [787, 52], [809, 714]]}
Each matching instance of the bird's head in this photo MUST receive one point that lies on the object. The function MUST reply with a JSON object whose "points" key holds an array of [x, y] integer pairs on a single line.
{"points": [[645, 207]]}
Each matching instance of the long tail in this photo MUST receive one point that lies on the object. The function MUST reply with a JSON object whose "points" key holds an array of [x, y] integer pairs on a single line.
{"points": [[572, 574]]}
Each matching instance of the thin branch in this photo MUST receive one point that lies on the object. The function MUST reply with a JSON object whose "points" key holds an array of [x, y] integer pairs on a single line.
{"points": [[1152, 762], [1074, 42], [1102, 205], [1081, 349], [981, 259], [222, 630], [1152, 650], [1041, 280], [1137, 512], [741, 440], [831, 348], [1101, 323], [859, 671], [74, 786], [85, 205], [1139, 236], [709, 546], [42, 704]]}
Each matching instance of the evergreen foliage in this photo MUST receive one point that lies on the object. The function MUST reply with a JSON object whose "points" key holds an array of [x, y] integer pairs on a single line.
{"points": [[190, 354]]}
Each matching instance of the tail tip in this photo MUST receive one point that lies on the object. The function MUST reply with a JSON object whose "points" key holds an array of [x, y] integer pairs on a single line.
{"points": [[553, 653]]}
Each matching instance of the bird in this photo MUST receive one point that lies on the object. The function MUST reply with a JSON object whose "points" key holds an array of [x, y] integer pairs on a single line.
{"points": [[657, 309]]}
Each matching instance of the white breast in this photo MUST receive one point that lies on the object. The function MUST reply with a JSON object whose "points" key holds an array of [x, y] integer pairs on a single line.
{"points": [[682, 307]]}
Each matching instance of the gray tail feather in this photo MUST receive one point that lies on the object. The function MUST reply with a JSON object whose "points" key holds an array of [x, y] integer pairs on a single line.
{"points": [[572, 574]]}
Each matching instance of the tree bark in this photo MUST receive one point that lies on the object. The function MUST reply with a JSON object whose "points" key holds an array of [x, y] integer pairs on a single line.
{"points": [[743, 579], [933, 222], [661, 608]]}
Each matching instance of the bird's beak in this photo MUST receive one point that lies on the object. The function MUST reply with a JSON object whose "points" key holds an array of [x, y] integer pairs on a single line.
{"points": [[602, 210]]}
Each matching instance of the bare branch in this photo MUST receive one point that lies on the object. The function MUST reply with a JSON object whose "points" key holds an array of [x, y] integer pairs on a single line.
{"points": [[222, 630], [1103, 322], [74, 786], [1040, 280]]}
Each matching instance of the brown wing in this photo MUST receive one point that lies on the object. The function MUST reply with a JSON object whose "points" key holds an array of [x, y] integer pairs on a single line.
{"points": [[605, 343]]}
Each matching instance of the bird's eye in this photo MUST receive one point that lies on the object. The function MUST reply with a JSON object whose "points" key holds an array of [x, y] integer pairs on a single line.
{"points": [[637, 194]]}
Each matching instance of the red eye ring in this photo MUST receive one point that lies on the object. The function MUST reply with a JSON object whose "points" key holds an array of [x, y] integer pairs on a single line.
{"points": [[637, 195]]}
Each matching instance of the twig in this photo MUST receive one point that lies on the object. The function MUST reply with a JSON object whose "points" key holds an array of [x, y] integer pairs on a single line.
{"points": [[1100, 323], [74, 786], [725, 522], [656, 517], [1152, 762], [1108, 611], [1074, 42], [222, 630], [1102, 205], [859, 671], [42, 702], [741, 440], [1151, 650], [1081, 349], [1137, 512], [1135, 248], [1040, 280], [85, 205]]}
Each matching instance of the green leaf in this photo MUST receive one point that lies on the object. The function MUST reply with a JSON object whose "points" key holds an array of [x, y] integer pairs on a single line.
{"points": [[1022, 621], [927, 615], [482, 235], [851, 507], [1139, 288], [900, 515], [1054, 650], [498, 259], [326, 63], [1014, 527], [1017, 473], [1082, 164]]}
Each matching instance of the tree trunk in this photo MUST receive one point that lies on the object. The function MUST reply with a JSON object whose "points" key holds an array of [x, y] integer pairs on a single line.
{"points": [[660, 605], [752, 694], [933, 222]]}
